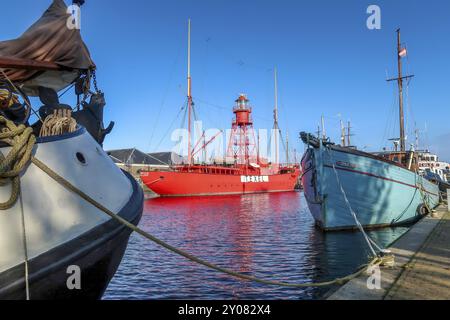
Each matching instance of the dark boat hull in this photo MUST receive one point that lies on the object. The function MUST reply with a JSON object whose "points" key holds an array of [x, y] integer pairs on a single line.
{"points": [[97, 253]]}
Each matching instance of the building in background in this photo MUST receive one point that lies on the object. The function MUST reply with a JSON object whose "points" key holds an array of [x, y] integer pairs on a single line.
{"points": [[134, 160]]}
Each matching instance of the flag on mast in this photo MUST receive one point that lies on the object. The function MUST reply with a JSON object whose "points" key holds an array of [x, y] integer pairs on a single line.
{"points": [[403, 52]]}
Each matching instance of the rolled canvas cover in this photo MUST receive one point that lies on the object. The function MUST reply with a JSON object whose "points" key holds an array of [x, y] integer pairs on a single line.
{"points": [[48, 40]]}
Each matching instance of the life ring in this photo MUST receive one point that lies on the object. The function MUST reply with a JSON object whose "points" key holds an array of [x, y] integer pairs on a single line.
{"points": [[422, 210]]}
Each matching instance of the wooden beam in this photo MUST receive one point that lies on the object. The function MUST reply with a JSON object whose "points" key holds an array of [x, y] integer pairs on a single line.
{"points": [[402, 78], [25, 64]]}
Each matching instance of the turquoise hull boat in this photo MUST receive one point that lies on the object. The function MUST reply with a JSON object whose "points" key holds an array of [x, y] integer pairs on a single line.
{"points": [[380, 192]]}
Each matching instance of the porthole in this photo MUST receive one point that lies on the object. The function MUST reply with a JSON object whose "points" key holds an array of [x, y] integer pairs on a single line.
{"points": [[81, 158]]}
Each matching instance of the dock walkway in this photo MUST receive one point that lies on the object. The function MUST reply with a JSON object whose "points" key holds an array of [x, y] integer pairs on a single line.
{"points": [[422, 266]]}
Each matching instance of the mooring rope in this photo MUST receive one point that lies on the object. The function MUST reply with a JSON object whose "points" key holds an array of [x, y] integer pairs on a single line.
{"points": [[22, 141], [20, 138], [375, 262], [25, 250], [370, 242], [5, 76]]}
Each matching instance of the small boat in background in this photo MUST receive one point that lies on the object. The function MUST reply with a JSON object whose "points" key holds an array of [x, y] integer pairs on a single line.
{"points": [[48, 234], [382, 189]]}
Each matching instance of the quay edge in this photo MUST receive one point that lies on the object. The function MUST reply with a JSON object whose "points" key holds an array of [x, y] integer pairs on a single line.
{"points": [[412, 277]]}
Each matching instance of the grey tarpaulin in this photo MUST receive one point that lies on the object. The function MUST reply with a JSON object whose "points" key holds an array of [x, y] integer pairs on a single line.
{"points": [[48, 40]]}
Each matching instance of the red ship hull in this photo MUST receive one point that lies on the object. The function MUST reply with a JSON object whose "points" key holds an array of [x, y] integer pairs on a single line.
{"points": [[183, 184], [247, 174]]}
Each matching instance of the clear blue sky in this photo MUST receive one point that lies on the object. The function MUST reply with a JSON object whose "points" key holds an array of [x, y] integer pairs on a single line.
{"points": [[329, 63]]}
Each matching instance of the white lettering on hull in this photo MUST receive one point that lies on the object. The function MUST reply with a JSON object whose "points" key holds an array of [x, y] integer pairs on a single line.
{"points": [[255, 179]]}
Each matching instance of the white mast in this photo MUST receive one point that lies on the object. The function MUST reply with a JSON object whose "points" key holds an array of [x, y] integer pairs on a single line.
{"points": [[342, 134], [275, 114], [189, 95], [324, 134], [287, 147]]}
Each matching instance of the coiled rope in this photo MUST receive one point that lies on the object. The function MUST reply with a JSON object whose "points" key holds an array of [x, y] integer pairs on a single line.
{"points": [[22, 139], [58, 123]]}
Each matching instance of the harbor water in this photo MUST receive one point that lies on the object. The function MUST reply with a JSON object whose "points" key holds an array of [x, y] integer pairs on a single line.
{"points": [[271, 236]]}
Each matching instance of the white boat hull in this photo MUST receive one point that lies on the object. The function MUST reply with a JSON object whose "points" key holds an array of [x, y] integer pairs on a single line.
{"points": [[60, 227]]}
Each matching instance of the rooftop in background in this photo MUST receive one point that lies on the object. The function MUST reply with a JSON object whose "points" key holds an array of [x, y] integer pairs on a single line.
{"points": [[137, 157]]}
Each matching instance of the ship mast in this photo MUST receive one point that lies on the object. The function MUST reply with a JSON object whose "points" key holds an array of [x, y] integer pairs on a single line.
{"points": [[287, 147], [189, 95], [342, 134], [401, 52], [324, 133], [258, 155], [400, 91], [275, 117], [349, 135]]}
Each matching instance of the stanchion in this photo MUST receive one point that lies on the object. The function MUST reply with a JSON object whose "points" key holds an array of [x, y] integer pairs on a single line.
{"points": [[448, 198]]}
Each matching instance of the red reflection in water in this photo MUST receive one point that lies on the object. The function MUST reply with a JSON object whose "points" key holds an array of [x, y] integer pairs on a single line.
{"points": [[271, 236], [234, 221]]}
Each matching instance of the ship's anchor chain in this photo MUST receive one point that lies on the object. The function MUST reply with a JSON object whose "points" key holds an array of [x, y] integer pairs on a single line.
{"points": [[23, 141]]}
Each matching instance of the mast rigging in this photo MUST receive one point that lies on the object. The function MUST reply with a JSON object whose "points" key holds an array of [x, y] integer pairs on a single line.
{"points": [[401, 52]]}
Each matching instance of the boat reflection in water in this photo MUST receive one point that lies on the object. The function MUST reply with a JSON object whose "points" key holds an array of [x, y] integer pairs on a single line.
{"points": [[268, 235]]}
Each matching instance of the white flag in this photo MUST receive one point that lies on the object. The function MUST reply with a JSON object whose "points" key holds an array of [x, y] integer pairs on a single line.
{"points": [[402, 53]]}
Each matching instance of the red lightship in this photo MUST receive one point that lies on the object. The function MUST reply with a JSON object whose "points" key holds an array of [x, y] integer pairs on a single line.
{"points": [[246, 173]]}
